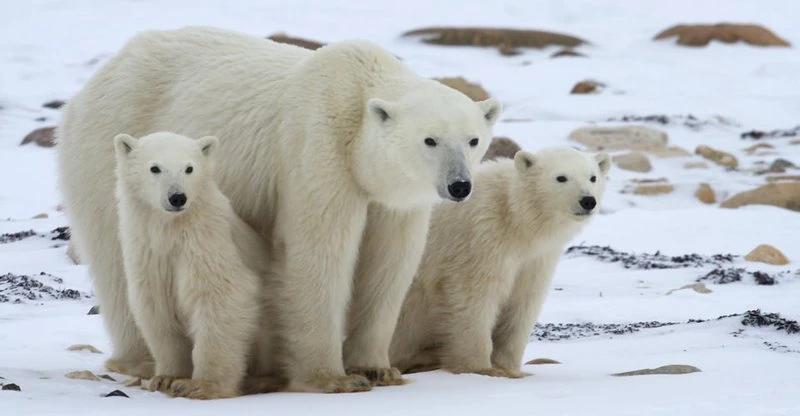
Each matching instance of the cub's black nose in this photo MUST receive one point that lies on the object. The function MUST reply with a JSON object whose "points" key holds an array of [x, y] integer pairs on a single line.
{"points": [[588, 203], [459, 190], [177, 200]]}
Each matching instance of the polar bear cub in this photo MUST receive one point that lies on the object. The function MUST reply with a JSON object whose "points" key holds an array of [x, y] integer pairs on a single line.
{"points": [[191, 291], [489, 262]]}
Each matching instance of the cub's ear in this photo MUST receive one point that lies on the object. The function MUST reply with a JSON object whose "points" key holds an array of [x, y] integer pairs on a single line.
{"points": [[604, 160], [124, 144], [524, 161], [491, 109], [381, 109], [208, 145]]}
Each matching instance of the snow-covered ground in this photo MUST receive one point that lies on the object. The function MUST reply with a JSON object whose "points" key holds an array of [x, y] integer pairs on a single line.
{"points": [[49, 48]]}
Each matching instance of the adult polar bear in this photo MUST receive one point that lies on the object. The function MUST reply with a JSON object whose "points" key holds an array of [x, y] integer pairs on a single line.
{"points": [[327, 154]]}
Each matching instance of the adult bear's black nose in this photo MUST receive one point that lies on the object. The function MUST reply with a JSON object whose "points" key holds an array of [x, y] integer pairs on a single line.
{"points": [[459, 190], [588, 203], [177, 200]]}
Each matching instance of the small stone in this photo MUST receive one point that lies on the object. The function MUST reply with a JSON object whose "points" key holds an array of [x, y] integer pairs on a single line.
{"points": [[587, 87], [95, 310], [669, 152], [653, 189], [695, 165], [795, 141], [40, 216], [697, 287], [107, 377], [291, 40], [116, 393], [619, 138], [782, 165], [717, 156], [501, 147], [540, 361], [44, 137], [84, 347], [567, 53], [784, 195], [765, 253], [470, 89], [11, 387], [756, 147], [705, 194], [82, 375], [633, 161], [55, 104], [666, 369]]}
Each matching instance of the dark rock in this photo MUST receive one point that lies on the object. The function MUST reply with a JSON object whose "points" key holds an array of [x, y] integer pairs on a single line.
{"points": [[567, 53], [507, 41], [759, 134], [303, 43], [688, 120], [43, 136], [723, 276], [55, 104], [117, 393], [20, 288], [11, 387], [13, 237], [95, 310], [61, 233], [40, 119], [646, 261], [107, 377], [758, 319]]}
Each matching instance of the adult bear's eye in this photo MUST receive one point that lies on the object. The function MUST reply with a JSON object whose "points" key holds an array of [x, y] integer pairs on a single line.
{"points": [[191, 169], [155, 169], [430, 142], [593, 179], [473, 142], [561, 178]]}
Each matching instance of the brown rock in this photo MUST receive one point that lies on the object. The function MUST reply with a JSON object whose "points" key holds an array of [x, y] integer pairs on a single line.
{"points": [[695, 165], [501, 147], [540, 361], [567, 52], [55, 104], [649, 190], [705, 194], [134, 382], [587, 87], [756, 147], [794, 142], [779, 178], [633, 161], [470, 89], [669, 152], [666, 369], [84, 347], [40, 216], [619, 138], [82, 375], [505, 40], [717, 156], [784, 195], [303, 43], [702, 35], [765, 253], [44, 137]]}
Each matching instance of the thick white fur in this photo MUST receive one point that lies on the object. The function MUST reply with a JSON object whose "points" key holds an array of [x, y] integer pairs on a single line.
{"points": [[193, 276], [323, 154], [489, 263]]}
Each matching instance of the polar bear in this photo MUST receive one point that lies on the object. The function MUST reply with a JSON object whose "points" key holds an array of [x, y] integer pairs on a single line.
{"points": [[334, 156], [489, 262], [194, 280]]}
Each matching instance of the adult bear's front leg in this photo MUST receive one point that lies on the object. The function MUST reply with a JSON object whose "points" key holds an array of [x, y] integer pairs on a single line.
{"points": [[390, 253], [321, 243]]}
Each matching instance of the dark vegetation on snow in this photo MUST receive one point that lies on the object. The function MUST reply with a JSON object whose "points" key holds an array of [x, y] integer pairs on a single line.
{"points": [[22, 288]]}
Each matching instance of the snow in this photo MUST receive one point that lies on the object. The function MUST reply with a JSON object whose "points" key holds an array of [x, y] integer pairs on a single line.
{"points": [[49, 48]]}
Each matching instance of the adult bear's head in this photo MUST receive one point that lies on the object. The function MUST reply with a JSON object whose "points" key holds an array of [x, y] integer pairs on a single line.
{"points": [[421, 147]]}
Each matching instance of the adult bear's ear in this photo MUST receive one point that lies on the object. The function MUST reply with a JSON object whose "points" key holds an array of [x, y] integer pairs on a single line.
{"points": [[524, 161], [208, 145], [604, 161], [124, 144], [381, 109], [491, 109]]}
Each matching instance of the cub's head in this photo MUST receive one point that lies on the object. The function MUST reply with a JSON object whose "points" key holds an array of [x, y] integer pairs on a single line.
{"points": [[164, 170], [562, 181], [421, 147]]}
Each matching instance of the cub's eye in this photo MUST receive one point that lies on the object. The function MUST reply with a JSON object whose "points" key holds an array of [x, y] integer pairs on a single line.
{"points": [[430, 142], [191, 169], [155, 169], [561, 178], [593, 179], [473, 142]]}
